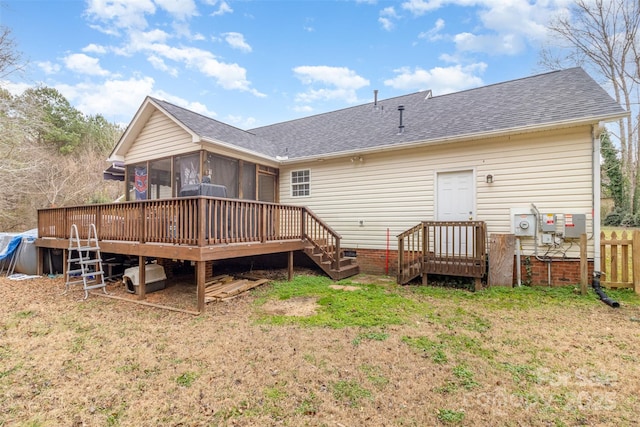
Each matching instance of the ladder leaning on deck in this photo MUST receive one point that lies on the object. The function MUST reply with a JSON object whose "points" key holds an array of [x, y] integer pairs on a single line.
{"points": [[89, 272]]}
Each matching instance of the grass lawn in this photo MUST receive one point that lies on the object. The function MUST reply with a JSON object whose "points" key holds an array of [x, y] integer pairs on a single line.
{"points": [[314, 352]]}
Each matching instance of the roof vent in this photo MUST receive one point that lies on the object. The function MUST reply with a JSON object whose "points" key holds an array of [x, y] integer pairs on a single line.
{"points": [[401, 126], [428, 95], [375, 99]]}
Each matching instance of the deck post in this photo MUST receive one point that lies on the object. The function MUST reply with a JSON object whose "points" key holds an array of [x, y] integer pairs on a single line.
{"points": [[40, 262], [635, 260], [142, 277], [290, 267], [200, 283], [584, 266]]}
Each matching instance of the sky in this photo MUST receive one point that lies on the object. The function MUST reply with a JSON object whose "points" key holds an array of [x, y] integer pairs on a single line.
{"points": [[254, 63]]}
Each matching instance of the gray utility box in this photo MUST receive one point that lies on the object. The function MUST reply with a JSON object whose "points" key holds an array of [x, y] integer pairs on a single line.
{"points": [[155, 278], [574, 225], [548, 223], [524, 224]]}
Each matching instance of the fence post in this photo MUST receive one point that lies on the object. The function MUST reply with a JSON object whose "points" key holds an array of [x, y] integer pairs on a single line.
{"points": [[584, 265], [400, 259], [635, 253]]}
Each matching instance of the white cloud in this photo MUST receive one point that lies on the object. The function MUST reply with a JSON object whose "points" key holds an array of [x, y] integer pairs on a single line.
{"points": [[237, 41], [506, 26], [440, 80], [124, 14], [159, 64], [84, 64], [341, 77], [343, 83], [420, 7], [387, 15], [180, 9], [141, 39], [508, 44], [227, 75], [303, 108], [434, 33], [94, 48], [112, 98], [48, 67], [224, 8]]}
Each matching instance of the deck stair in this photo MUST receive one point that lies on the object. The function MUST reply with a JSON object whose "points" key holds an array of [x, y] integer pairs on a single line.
{"points": [[451, 248], [340, 269], [84, 262]]}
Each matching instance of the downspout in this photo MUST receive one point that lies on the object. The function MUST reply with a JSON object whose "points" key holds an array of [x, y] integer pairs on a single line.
{"points": [[596, 129]]}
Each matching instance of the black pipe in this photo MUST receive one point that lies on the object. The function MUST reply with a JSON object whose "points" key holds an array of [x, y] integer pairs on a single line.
{"points": [[598, 290]]}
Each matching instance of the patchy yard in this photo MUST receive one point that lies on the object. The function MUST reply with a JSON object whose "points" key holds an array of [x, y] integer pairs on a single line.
{"points": [[363, 353]]}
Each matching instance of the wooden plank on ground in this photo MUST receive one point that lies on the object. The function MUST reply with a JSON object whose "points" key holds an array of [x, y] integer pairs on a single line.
{"points": [[501, 250], [231, 289]]}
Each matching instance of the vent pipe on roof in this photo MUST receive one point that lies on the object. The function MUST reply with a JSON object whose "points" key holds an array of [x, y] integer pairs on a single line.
{"points": [[428, 95], [401, 126], [375, 99]]}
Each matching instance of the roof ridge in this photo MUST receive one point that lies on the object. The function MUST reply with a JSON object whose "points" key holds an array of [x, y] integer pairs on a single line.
{"points": [[162, 101]]}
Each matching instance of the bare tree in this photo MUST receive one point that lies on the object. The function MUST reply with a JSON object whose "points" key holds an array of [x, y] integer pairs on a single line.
{"points": [[10, 58], [604, 37]]}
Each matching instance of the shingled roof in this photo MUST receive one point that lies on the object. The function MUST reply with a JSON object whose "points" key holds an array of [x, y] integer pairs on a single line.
{"points": [[555, 99]]}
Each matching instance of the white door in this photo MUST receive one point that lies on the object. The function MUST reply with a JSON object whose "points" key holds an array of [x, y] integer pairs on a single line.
{"points": [[456, 196], [455, 202]]}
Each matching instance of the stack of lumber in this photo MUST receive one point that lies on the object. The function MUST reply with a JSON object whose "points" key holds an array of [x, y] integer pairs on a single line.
{"points": [[225, 287]]}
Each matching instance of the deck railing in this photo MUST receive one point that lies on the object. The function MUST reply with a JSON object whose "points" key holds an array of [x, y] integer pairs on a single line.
{"points": [[195, 221], [454, 248]]}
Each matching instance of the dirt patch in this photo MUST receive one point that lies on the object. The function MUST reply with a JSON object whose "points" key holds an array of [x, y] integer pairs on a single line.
{"points": [[345, 288], [372, 279], [298, 306]]}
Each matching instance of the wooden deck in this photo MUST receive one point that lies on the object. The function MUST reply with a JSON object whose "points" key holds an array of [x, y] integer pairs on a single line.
{"points": [[453, 248], [198, 229]]}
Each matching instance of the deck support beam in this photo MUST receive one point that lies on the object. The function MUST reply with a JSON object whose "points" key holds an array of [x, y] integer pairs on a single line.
{"points": [[142, 277], [200, 283], [290, 266]]}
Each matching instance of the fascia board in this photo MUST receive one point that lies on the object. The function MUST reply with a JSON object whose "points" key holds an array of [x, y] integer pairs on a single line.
{"points": [[458, 138]]}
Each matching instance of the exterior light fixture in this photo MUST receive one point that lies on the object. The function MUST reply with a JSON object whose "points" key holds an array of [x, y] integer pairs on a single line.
{"points": [[489, 179]]}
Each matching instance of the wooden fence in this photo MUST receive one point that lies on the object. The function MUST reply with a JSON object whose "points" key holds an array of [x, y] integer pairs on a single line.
{"points": [[620, 260]]}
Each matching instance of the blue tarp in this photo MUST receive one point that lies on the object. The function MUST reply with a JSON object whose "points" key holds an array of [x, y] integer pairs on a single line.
{"points": [[13, 244], [20, 248]]}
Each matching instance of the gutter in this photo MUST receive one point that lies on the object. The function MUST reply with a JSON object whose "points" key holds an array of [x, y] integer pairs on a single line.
{"points": [[595, 134]]}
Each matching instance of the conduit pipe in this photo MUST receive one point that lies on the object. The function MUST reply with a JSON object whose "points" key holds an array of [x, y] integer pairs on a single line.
{"points": [[598, 290]]}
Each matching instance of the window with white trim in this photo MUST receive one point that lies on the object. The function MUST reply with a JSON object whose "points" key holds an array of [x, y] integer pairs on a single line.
{"points": [[300, 182]]}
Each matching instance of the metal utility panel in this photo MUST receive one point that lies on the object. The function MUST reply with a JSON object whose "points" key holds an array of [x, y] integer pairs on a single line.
{"points": [[524, 224], [548, 223], [574, 225]]}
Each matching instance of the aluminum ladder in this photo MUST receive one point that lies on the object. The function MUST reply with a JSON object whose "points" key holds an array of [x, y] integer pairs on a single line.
{"points": [[82, 267]]}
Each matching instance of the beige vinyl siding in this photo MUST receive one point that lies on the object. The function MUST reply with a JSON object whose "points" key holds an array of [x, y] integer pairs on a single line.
{"points": [[395, 189], [160, 137]]}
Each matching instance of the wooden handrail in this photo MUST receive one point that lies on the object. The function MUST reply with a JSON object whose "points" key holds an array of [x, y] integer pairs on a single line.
{"points": [[456, 248], [195, 221], [322, 236]]}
